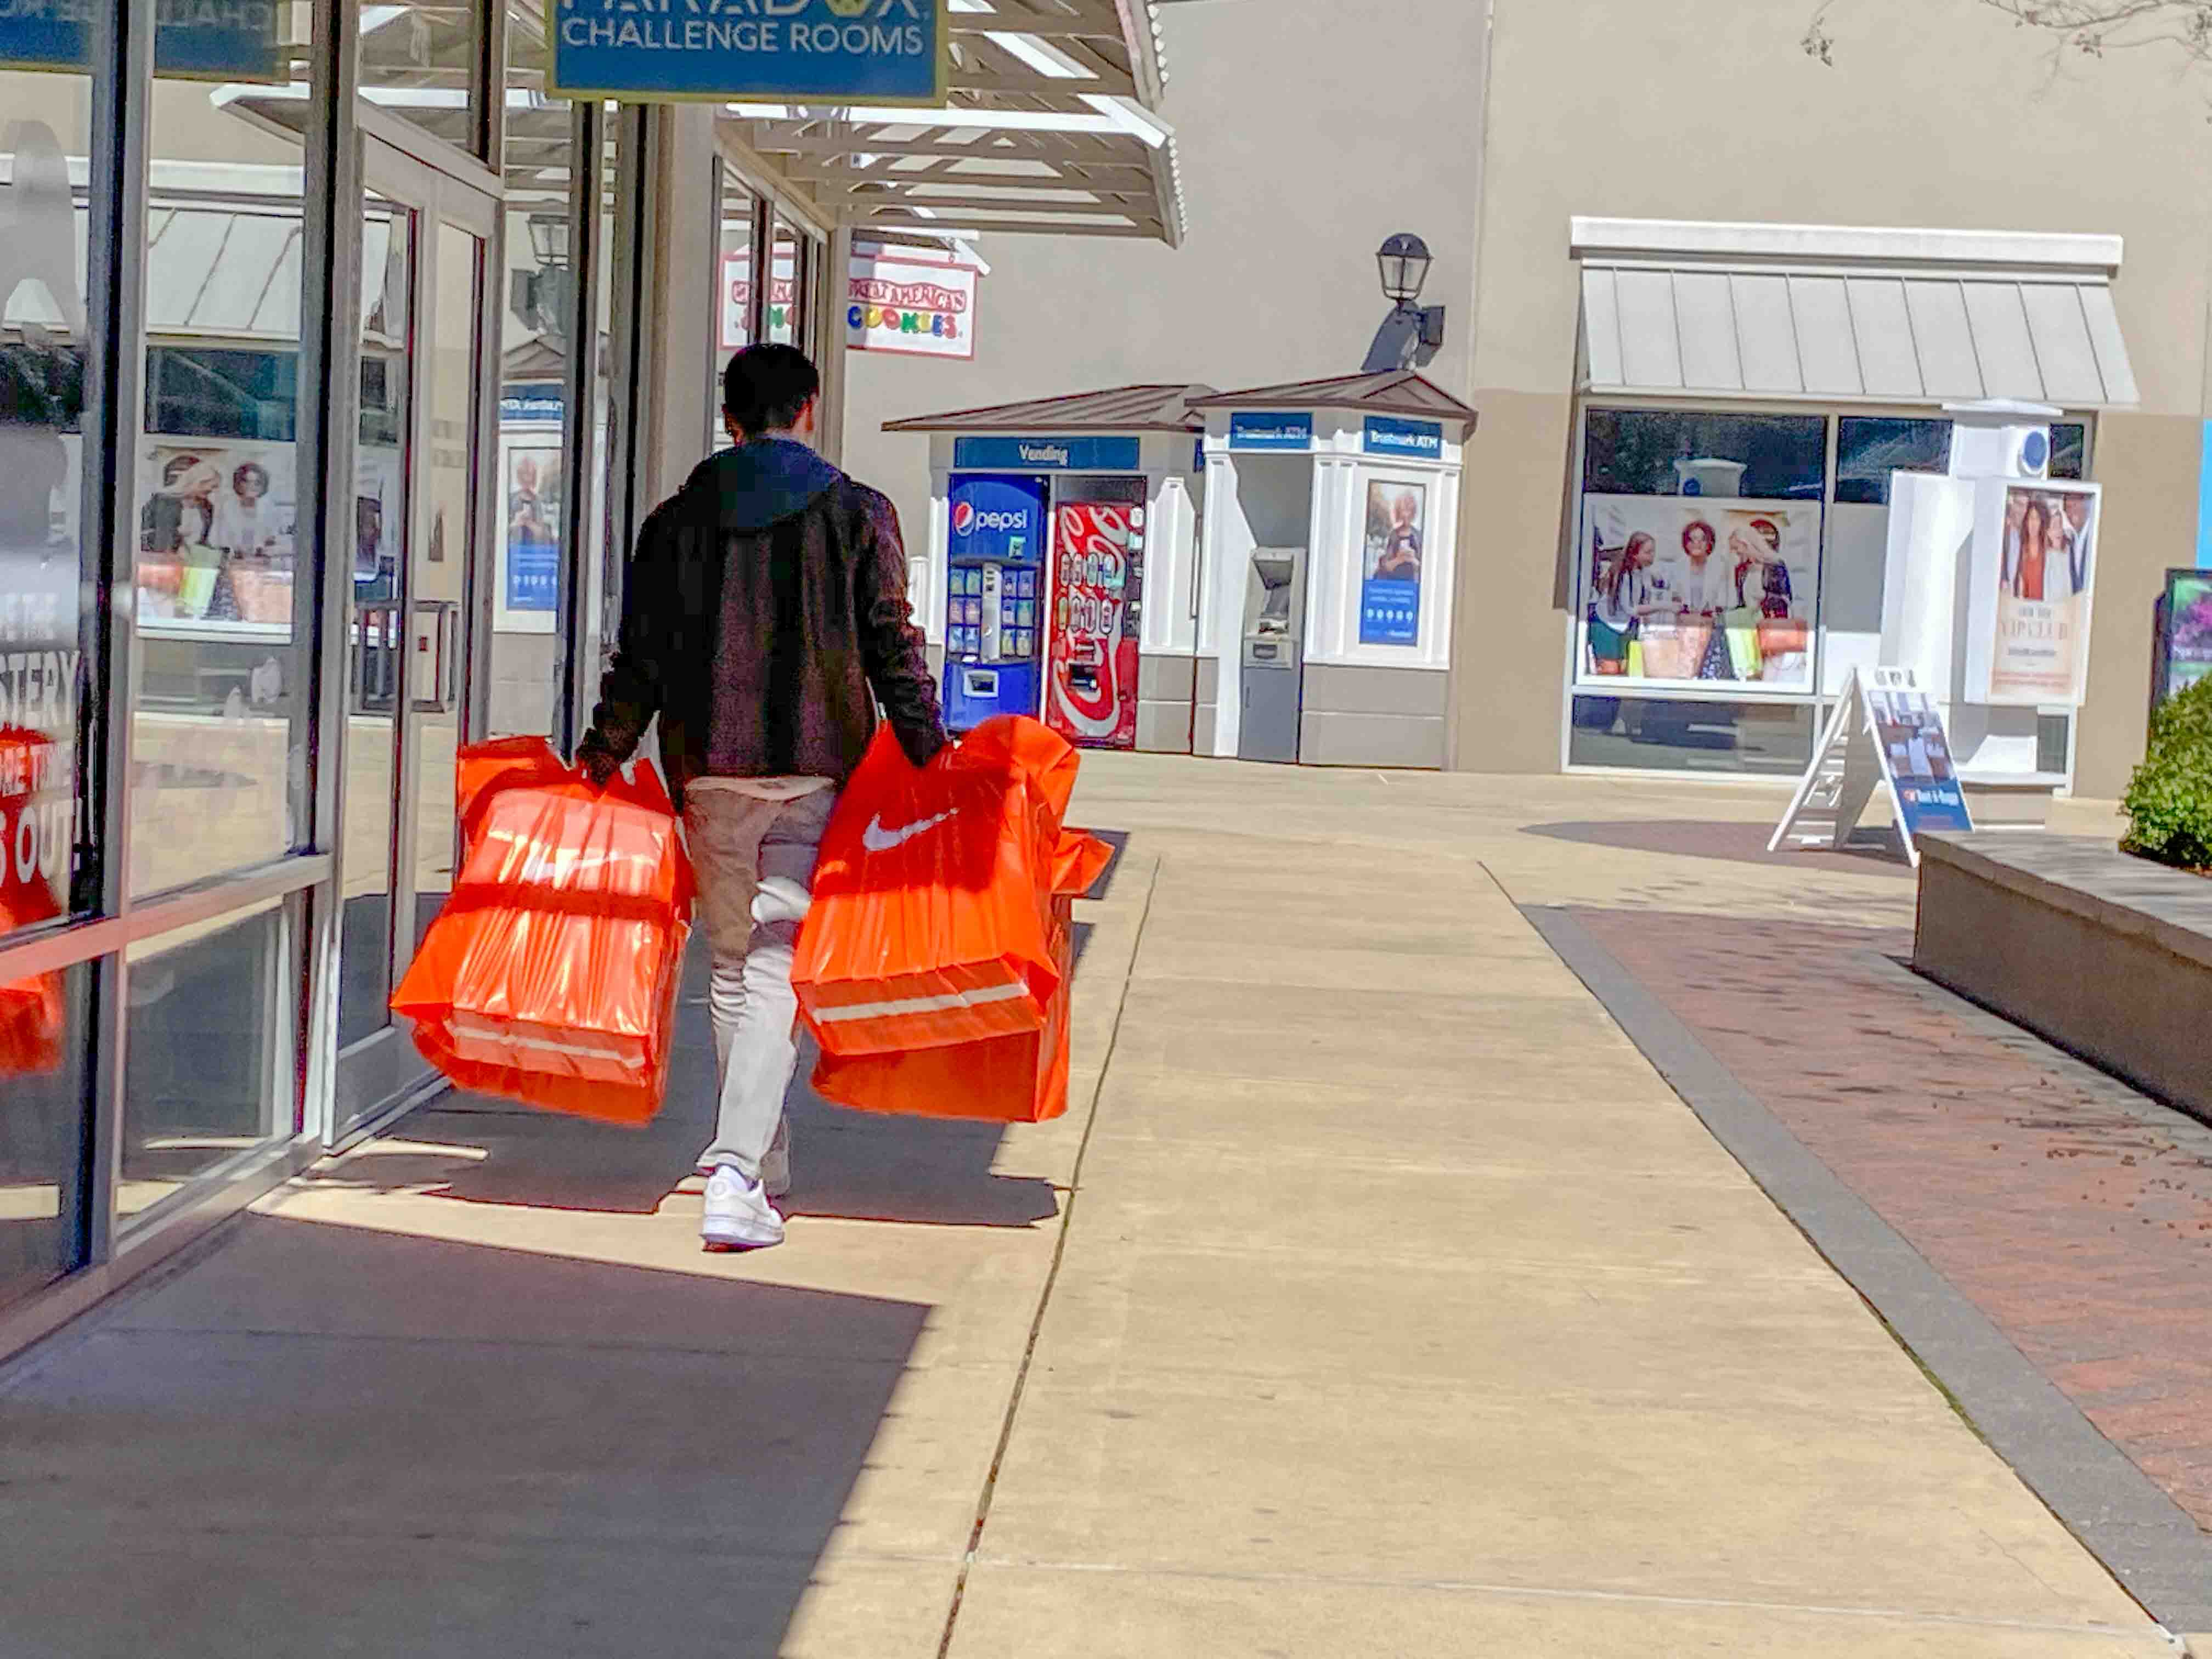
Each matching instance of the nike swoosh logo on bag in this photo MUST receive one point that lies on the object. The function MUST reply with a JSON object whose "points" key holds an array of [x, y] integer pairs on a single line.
{"points": [[877, 839]]}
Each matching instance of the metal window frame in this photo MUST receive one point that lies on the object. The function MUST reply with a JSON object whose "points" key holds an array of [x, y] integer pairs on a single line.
{"points": [[579, 438]]}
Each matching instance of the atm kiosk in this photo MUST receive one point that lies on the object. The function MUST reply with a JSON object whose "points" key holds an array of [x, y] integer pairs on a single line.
{"points": [[1062, 578], [1331, 537]]}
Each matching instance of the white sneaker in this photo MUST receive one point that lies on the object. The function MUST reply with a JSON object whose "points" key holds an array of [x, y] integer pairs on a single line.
{"points": [[739, 1216], [775, 1171], [776, 1164]]}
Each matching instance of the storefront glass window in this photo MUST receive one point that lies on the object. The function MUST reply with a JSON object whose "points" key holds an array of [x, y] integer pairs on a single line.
{"points": [[210, 1056], [47, 621], [786, 291], [2070, 450], [1644, 451], [419, 62], [43, 1049], [225, 609], [732, 292], [1870, 449], [534, 323], [1684, 735], [1698, 555]]}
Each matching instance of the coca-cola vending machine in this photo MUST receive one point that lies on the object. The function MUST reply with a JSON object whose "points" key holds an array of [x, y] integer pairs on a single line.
{"points": [[1097, 607]]}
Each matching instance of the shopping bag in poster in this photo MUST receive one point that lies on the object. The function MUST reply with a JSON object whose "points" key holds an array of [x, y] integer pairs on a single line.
{"points": [[1744, 655], [1674, 650], [1784, 636], [932, 919], [33, 1014], [1021, 1078], [550, 976]]}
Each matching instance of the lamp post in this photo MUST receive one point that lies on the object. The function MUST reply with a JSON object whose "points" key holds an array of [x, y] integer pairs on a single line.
{"points": [[1403, 263]]}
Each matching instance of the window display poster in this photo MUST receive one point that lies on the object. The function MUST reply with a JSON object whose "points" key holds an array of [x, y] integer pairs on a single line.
{"points": [[532, 578], [2185, 653], [2034, 570], [1390, 590], [380, 520], [217, 527], [1918, 754], [41, 681], [1098, 586], [1683, 590]]}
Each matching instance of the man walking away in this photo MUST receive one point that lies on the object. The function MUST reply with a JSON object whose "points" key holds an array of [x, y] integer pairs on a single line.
{"points": [[764, 618]]}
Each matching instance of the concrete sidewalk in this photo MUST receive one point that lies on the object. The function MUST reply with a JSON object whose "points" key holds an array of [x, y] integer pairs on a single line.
{"points": [[1376, 1299]]}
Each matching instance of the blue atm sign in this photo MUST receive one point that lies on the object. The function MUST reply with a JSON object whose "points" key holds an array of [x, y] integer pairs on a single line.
{"points": [[866, 52]]}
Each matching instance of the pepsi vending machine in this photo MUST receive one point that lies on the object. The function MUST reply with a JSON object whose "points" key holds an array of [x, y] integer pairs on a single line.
{"points": [[994, 598]]}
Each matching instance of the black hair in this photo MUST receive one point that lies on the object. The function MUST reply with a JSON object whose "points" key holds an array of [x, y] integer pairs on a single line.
{"points": [[766, 387]]}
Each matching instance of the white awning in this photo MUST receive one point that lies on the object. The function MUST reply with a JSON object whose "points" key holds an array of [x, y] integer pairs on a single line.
{"points": [[1908, 317]]}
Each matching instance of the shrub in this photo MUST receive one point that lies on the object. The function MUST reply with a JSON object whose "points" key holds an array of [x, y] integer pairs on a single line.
{"points": [[2169, 800]]}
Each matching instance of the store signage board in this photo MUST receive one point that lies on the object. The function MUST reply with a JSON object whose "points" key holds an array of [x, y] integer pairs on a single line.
{"points": [[532, 405], [2034, 570], [193, 39], [1255, 430], [1045, 454], [1420, 440], [1885, 734], [914, 307], [861, 52], [2182, 646]]}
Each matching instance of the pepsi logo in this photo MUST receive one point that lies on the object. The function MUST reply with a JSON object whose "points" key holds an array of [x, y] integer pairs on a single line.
{"points": [[966, 519]]}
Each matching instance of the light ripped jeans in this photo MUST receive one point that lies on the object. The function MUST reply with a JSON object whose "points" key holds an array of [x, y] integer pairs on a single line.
{"points": [[755, 861]]}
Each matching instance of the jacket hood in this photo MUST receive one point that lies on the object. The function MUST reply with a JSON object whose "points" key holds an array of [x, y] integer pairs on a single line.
{"points": [[758, 483]]}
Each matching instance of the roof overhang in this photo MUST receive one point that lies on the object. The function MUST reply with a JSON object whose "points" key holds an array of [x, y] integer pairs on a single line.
{"points": [[1847, 313], [1050, 127]]}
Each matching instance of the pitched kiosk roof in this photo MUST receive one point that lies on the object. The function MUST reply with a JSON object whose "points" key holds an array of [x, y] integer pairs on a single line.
{"points": [[1402, 391], [1123, 409]]}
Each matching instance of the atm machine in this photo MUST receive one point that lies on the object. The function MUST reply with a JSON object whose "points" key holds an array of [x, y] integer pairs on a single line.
{"points": [[994, 598], [1272, 663]]}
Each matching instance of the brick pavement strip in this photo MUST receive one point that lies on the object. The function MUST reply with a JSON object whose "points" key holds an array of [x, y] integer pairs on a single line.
{"points": [[2075, 1212]]}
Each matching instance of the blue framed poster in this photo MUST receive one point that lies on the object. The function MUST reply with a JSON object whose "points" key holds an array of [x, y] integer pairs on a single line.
{"points": [[1916, 753], [1390, 568], [1259, 429], [233, 41], [860, 52], [1421, 441]]}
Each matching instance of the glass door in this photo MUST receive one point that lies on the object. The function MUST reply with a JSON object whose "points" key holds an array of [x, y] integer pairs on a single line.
{"points": [[426, 267]]}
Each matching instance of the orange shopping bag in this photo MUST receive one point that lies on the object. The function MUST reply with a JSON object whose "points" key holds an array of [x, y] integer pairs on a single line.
{"points": [[933, 967], [550, 975]]}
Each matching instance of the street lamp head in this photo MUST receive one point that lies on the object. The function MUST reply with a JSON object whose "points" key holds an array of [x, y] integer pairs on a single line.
{"points": [[1404, 261], [548, 237]]}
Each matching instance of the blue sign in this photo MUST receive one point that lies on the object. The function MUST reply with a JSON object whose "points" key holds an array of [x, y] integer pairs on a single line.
{"points": [[1387, 436], [1252, 429], [193, 39], [532, 406], [1390, 611], [533, 576], [998, 519], [2204, 502], [1046, 454], [1917, 752], [861, 52]]}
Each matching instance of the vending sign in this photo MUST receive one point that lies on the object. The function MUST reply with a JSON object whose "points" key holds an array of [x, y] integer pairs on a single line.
{"points": [[1097, 588]]}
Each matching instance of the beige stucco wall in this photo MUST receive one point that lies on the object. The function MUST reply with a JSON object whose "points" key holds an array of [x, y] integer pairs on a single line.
{"points": [[1308, 130], [1937, 112]]}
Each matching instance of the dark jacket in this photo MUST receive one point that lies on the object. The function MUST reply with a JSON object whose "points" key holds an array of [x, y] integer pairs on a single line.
{"points": [[764, 617]]}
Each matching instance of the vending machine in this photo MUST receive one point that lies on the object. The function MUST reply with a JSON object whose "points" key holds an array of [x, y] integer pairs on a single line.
{"points": [[994, 598], [1097, 564]]}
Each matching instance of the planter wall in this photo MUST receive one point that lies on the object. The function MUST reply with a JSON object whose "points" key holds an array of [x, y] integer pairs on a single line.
{"points": [[2103, 953]]}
